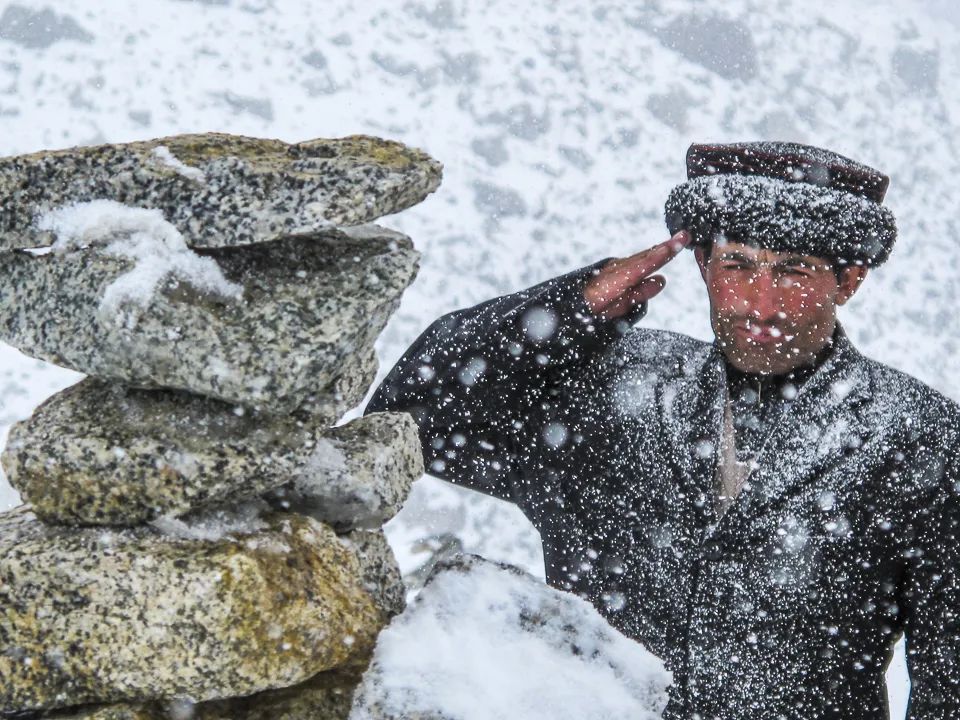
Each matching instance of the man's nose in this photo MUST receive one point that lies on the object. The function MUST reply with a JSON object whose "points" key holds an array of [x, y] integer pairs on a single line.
{"points": [[763, 295]]}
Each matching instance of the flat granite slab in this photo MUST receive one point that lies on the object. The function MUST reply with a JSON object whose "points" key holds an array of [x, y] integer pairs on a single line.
{"points": [[282, 321], [220, 190], [94, 616], [100, 453]]}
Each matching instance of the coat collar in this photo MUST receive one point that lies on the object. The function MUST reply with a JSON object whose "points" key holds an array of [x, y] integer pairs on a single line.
{"points": [[826, 422], [816, 432]]}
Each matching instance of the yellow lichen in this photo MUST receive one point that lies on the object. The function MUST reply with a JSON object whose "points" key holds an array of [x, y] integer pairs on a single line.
{"points": [[270, 578], [199, 149]]}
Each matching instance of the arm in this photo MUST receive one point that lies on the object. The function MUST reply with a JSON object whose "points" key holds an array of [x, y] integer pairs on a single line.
{"points": [[474, 376], [475, 379], [931, 601]]}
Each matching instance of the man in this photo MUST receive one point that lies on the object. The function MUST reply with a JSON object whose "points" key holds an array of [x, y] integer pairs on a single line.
{"points": [[768, 513]]}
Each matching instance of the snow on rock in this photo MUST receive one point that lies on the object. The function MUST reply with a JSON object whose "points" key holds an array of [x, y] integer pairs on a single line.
{"points": [[216, 524], [163, 154], [156, 248], [357, 475], [221, 189], [484, 641], [309, 314]]}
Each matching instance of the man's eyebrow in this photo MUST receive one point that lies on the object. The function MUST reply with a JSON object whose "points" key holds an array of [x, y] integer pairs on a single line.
{"points": [[798, 261], [734, 255]]}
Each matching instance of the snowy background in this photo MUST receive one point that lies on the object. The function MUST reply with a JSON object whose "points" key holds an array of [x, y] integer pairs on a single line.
{"points": [[562, 126]]}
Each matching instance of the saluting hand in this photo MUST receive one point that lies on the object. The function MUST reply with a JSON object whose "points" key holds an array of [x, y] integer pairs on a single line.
{"points": [[624, 283]]}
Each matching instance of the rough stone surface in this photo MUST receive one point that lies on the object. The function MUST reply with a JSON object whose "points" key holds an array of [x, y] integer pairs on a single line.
{"points": [[99, 453], [326, 696], [347, 390], [95, 616], [310, 305], [220, 190], [379, 570], [357, 475]]}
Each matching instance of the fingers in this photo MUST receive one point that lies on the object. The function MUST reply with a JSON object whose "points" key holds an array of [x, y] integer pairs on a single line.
{"points": [[637, 295], [648, 261], [619, 277]]}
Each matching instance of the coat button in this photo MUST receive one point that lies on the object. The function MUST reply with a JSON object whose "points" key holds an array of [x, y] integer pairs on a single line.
{"points": [[712, 550]]}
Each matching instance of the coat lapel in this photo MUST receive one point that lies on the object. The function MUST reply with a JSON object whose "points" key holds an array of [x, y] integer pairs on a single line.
{"points": [[691, 411], [822, 427]]}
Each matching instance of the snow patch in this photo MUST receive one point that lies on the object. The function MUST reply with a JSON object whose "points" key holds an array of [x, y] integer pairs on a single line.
{"points": [[327, 459], [327, 474], [154, 246], [227, 522], [483, 642], [163, 154]]}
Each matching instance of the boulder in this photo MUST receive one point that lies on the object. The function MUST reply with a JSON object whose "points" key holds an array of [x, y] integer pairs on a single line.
{"points": [[478, 625], [220, 190], [99, 453], [357, 475], [117, 616], [306, 311]]}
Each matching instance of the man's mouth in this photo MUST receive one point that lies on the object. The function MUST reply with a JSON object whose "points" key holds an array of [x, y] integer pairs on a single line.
{"points": [[761, 333]]}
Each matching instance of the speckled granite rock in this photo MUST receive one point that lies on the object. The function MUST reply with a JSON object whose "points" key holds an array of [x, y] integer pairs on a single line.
{"points": [[326, 696], [100, 453], [97, 616], [346, 391], [310, 308], [378, 570], [220, 190], [357, 475]]}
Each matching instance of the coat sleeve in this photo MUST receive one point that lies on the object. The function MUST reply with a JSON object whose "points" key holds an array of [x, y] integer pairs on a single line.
{"points": [[472, 381], [930, 601]]}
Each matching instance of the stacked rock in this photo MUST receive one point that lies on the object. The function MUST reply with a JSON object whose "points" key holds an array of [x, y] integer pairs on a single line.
{"points": [[200, 540]]}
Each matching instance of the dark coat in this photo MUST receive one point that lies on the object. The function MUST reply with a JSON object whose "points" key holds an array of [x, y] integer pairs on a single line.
{"points": [[606, 437]]}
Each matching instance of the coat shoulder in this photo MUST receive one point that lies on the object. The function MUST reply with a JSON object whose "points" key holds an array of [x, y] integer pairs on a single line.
{"points": [[909, 397], [661, 348], [903, 406]]}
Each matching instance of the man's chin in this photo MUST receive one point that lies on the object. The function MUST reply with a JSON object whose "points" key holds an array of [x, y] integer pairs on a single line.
{"points": [[756, 359]]}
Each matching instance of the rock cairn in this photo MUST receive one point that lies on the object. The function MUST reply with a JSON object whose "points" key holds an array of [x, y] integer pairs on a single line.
{"points": [[200, 540]]}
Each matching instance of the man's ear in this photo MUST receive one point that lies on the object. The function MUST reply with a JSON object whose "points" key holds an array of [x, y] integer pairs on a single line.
{"points": [[702, 259], [849, 281]]}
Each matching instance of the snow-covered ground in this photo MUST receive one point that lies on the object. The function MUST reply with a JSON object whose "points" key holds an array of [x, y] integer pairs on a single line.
{"points": [[468, 643], [562, 126]]}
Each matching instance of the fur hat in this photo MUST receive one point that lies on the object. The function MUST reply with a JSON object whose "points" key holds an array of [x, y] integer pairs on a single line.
{"points": [[785, 197]]}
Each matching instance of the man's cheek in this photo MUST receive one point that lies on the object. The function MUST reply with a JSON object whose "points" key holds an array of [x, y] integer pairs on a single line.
{"points": [[728, 300]]}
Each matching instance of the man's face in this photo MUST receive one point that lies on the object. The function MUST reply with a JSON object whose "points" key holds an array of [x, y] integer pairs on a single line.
{"points": [[773, 312]]}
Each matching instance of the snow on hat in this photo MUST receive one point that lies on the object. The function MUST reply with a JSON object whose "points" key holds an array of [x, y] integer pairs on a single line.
{"points": [[784, 197]]}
